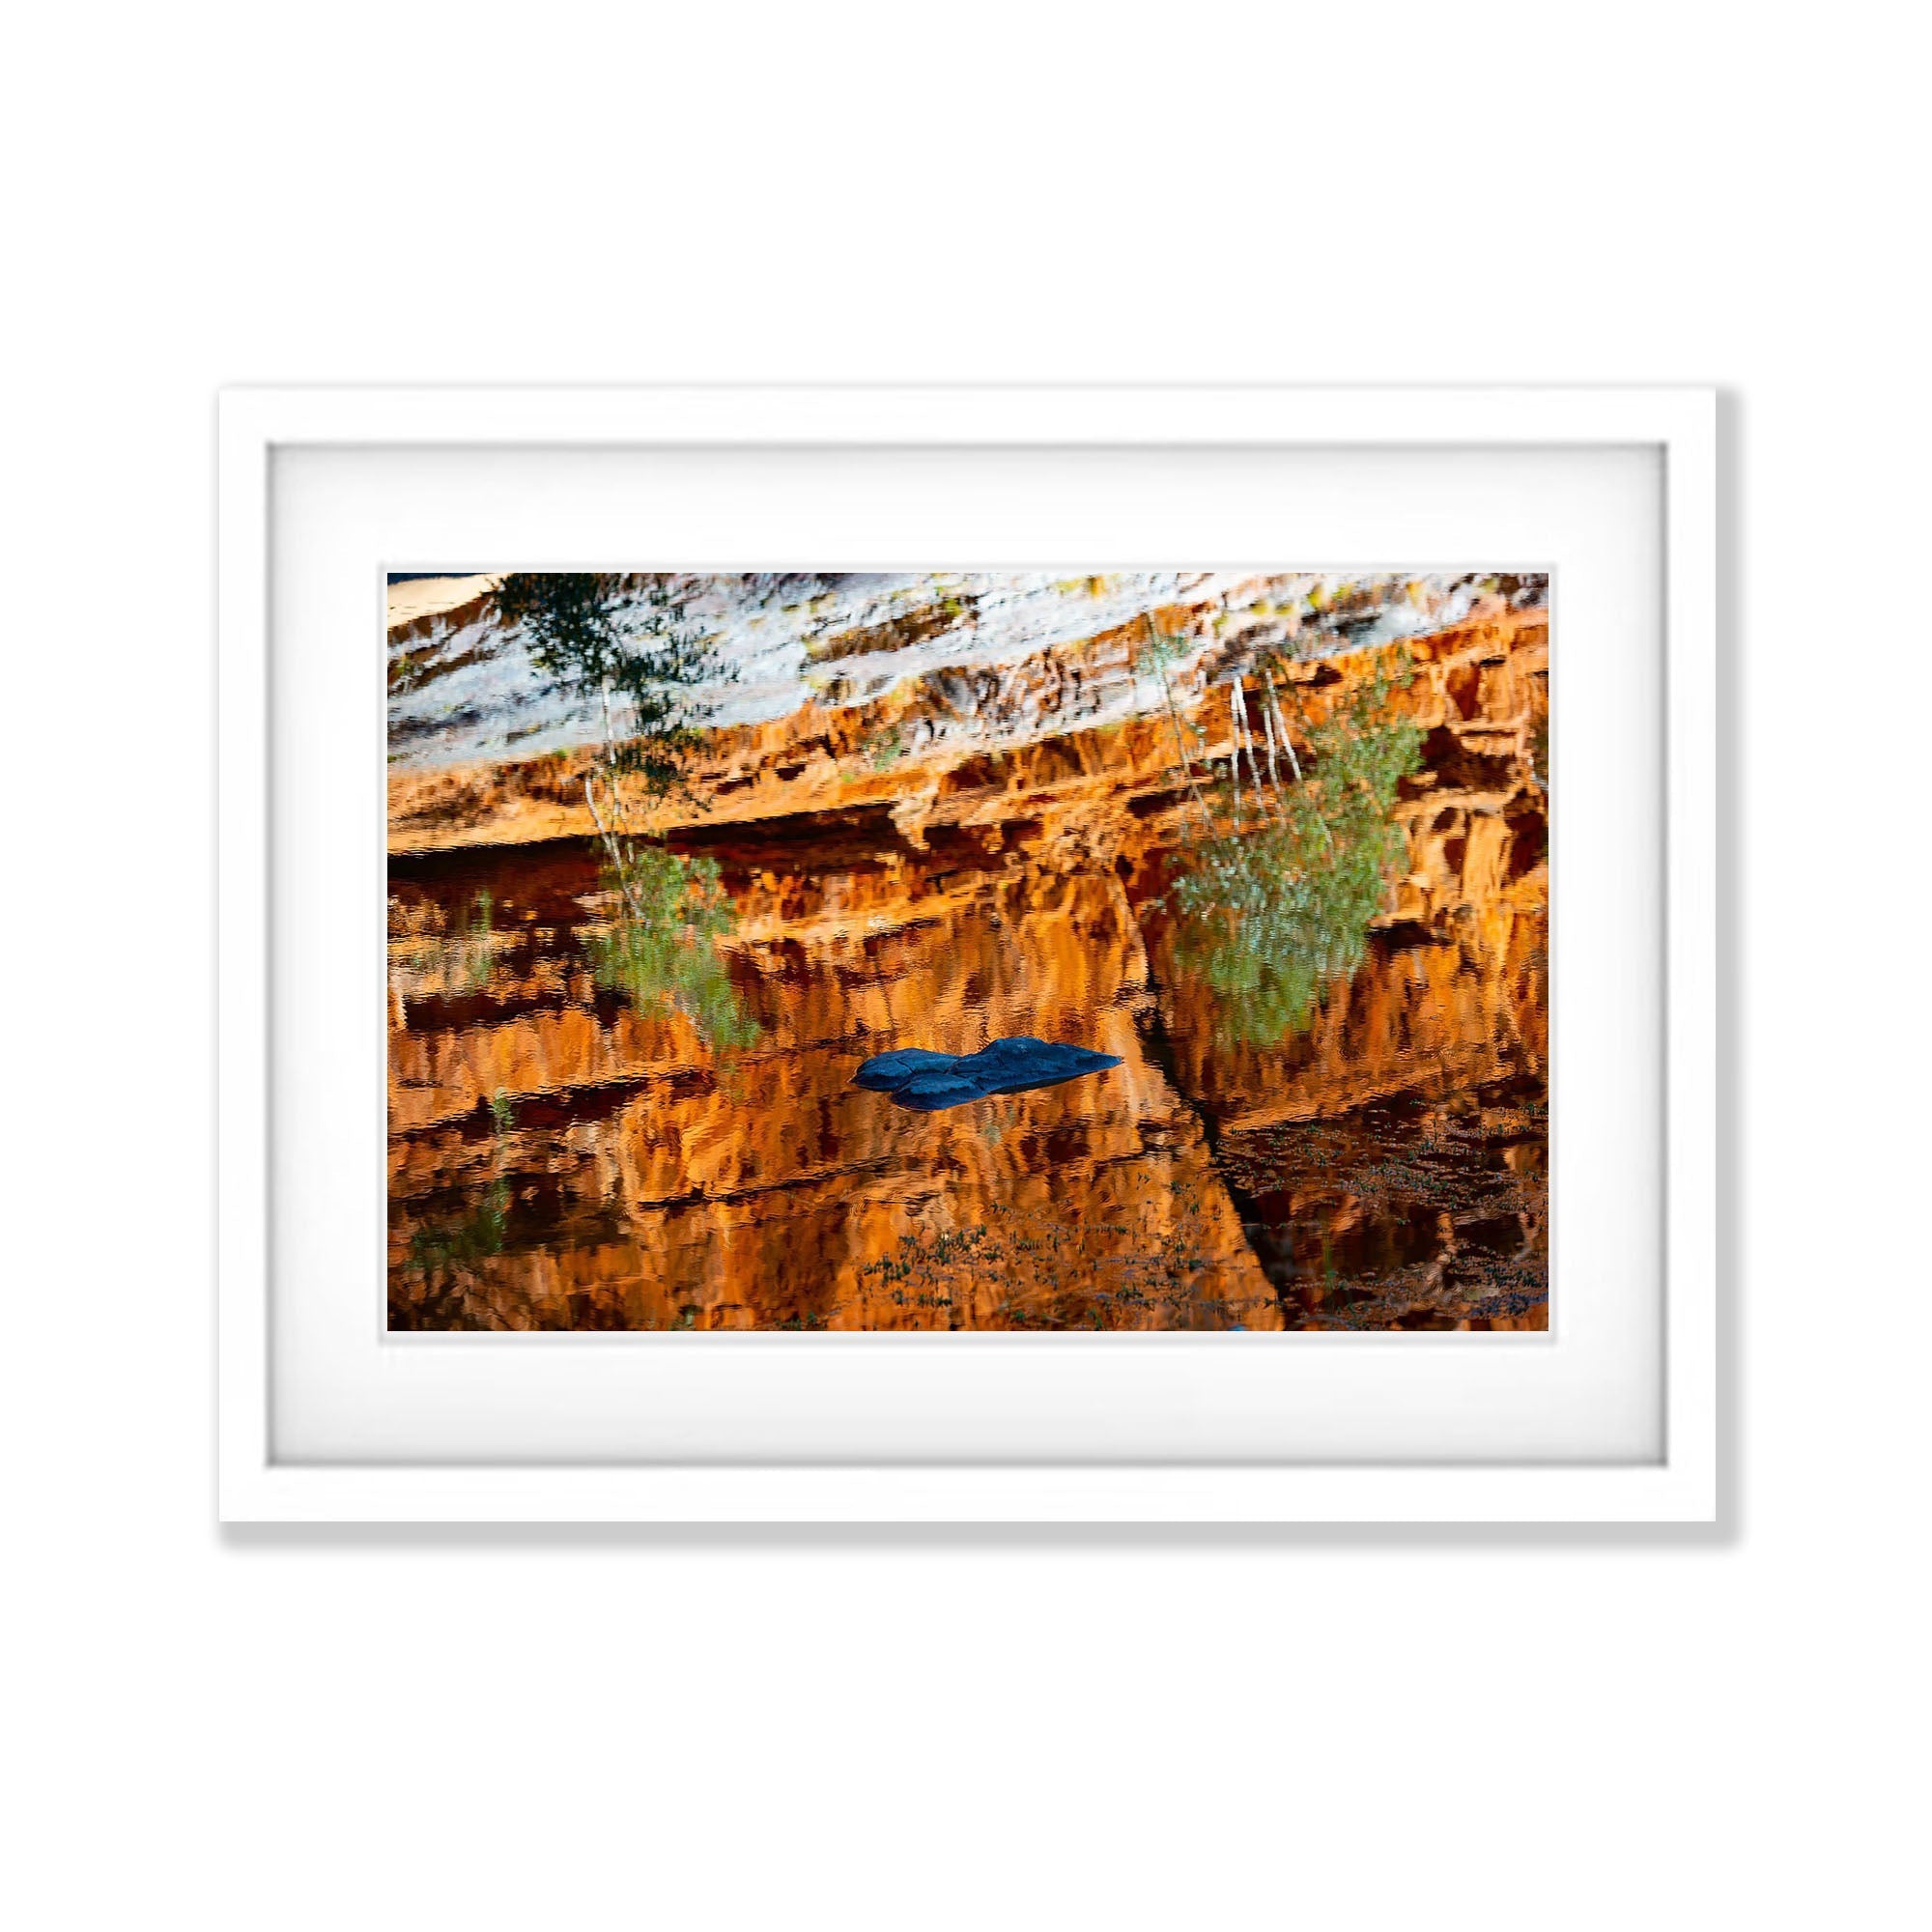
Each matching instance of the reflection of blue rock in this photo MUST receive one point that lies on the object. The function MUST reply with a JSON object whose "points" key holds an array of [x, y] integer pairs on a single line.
{"points": [[929, 1081]]}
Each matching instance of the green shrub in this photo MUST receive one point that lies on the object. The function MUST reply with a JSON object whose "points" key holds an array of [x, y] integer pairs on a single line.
{"points": [[1273, 917], [661, 951], [641, 659]]}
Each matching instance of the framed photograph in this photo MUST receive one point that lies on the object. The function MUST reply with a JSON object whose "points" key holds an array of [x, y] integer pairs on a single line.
{"points": [[968, 954]]}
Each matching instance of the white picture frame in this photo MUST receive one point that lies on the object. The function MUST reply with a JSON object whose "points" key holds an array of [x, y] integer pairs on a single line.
{"points": [[1677, 1483]]}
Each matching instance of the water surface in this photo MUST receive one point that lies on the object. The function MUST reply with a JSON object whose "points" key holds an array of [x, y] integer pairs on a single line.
{"points": [[560, 1159], [1304, 966]]}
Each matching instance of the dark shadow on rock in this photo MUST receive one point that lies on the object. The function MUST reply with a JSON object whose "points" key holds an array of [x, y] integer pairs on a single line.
{"points": [[928, 1082]]}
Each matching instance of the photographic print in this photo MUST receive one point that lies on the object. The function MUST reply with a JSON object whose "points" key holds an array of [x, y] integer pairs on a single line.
{"points": [[1119, 950]]}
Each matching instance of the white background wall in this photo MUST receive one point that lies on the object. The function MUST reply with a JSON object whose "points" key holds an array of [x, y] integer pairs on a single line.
{"points": [[863, 1730]]}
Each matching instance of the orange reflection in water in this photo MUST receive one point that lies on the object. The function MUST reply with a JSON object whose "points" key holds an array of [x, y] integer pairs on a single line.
{"points": [[560, 1159]]}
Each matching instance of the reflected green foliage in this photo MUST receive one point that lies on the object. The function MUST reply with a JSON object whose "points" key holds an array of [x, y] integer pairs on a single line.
{"points": [[662, 951], [635, 653], [464, 1243], [460, 1245], [640, 657], [462, 957], [1272, 916]]}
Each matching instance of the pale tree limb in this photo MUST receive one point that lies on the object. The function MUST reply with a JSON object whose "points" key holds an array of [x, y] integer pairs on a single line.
{"points": [[1295, 763], [618, 855], [1248, 738], [1235, 753], [1281, 723]]}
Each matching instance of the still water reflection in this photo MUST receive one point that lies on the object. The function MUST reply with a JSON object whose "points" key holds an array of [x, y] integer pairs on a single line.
{"points": [[565, 1156], [1043, 961]]}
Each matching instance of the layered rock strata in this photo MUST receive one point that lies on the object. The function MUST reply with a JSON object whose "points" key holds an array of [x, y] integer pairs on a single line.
{"points": [[559, 1160]]}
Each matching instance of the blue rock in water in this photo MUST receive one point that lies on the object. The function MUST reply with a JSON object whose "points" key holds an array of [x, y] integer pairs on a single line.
{"points": [[888, 1072], [1013, 1065], [928, 1082]]}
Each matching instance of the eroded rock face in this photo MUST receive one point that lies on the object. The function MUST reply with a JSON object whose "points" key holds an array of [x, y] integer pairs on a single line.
{"points": [[481, 752], [646, 1182], [560, 1159]]}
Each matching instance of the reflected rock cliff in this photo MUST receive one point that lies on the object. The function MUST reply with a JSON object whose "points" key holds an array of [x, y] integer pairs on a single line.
{"points": [[980, 862]]}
